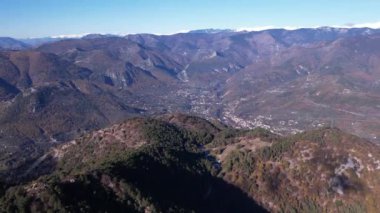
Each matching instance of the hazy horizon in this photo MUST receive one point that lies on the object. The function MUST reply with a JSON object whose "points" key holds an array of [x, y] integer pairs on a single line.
{"points": [[44, 18], [375, 25]]}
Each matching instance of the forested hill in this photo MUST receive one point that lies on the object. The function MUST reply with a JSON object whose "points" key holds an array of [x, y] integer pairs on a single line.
{"points": [[181, 163]]}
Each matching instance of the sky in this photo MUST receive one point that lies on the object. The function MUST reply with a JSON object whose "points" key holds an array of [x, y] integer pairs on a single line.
{"points": [[41, 18]]}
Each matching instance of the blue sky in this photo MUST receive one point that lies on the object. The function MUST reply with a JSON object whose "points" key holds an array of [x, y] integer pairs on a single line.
{"points": [[39, 18]]}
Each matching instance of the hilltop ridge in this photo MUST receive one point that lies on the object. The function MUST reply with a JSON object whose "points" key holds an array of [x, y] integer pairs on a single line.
{"points": [[185, 163]]}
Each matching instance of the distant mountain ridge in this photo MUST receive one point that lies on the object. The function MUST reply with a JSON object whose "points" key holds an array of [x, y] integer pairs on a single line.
{"points": [[211, 31], [7, 43], [24, 43], [35, 42]]}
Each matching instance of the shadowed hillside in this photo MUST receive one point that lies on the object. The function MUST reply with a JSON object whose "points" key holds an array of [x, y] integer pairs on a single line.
{"points": [[185, 163]]}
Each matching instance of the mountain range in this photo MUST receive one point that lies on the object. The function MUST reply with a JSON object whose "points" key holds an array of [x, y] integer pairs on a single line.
{"points": [[54, 92]]}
